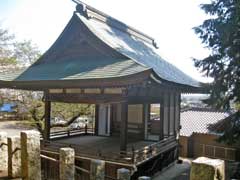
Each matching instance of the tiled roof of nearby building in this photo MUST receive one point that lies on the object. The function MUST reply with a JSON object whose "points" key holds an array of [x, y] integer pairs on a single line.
{"points": [[197, 120]]}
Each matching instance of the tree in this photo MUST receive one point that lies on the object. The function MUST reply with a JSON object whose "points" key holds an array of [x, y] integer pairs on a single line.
{"points": [[221, 34], [14, 54], [26, 52], [6, 43]]}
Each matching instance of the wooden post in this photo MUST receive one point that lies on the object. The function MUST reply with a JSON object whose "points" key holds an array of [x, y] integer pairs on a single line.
{"points": [[161, 133], [47, 120], [67, 164], [96, 119], [30, 155], [145, 121], [123, 174], [97, 170], [86, 129], [124, 128]]}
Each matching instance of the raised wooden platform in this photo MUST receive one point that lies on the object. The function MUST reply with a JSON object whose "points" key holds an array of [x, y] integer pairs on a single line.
{"points": [[104, 144]]}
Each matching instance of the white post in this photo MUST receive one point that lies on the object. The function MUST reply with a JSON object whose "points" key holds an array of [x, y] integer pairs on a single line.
{"points": [[97, 170], [67, 164], [30, 155], [3, 152], [14, 157], [123, 174]]}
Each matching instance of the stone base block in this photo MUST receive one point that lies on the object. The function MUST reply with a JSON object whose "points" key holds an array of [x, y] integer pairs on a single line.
{"points": [[207, 169]]}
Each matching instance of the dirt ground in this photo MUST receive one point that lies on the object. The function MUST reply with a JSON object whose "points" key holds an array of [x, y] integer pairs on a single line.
{"points": [[13, 128]]}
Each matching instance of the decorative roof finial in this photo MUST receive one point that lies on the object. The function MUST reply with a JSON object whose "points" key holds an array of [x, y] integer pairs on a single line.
{"points": [[82, 9]]}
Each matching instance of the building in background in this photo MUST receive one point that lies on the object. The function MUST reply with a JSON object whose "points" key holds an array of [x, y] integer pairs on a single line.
{"points": [[197, 140]]}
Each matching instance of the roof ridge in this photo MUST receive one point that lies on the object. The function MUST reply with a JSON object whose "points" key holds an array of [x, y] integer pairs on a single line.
{"points": [[92, 12]]}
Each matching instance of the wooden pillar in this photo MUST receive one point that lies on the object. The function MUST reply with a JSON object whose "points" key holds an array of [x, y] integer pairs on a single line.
{"points": [[161, 133], [144, 122], [123, 127], [174, 110], [169, 113], [96, 119], [47, 120]]}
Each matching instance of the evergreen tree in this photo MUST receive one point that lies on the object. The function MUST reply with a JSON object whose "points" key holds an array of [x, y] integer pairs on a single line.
{"points": [[221, 34]]}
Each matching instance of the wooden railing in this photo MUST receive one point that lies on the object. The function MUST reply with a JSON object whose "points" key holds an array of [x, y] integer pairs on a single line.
{"points": [[144, 154], [131, 157], [71, 133], [88, 152], [50, 165]]}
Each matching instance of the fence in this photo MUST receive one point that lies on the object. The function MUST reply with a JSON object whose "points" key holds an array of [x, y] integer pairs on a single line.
{"points": [[215, 151], [28, 161], [71, 132]]}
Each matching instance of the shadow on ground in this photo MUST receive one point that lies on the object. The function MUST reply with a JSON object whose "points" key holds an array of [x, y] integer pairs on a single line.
{"points": [[176, 172]]}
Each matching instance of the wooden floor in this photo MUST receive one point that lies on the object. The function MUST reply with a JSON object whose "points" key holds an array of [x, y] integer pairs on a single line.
{"points": [[106, 144]]}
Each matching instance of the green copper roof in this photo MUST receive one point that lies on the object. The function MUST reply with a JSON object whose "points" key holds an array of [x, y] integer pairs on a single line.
{"points": [[96, 46], [77, 69]]}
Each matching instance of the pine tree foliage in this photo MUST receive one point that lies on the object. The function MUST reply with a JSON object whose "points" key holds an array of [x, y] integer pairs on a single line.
{"points": [[221, 34]]}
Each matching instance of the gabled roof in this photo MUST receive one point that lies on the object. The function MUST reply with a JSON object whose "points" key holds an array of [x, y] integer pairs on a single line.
{"points": [[135, 46], [198, 121], [96, 46]]}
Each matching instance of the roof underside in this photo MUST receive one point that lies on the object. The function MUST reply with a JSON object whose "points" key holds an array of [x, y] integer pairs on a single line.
{"points": [[92, 48]]}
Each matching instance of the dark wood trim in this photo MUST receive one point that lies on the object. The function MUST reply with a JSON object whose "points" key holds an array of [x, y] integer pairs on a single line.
{"points": [[161, 135], [123, 126], [96, 119], [47, 120], [174, 109], [144, 99], [144, 118], [179, 112], [86, 98], [169, 112]]}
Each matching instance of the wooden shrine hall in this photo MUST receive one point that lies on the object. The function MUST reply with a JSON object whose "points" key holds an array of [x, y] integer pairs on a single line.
{"points": [[100, 60]]}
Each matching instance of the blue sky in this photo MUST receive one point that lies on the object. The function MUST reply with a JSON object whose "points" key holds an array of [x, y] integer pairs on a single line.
{"points": [[169, 22]]}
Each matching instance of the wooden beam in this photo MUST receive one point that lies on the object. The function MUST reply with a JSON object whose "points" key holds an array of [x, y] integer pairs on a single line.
{"points": [[123, 126], [96, 119], [47, 120]]}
